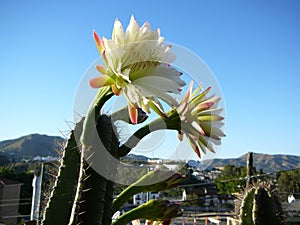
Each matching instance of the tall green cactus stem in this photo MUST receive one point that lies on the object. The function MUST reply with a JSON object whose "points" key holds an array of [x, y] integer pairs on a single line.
{"points": [[76, 204], [93, 115], [91, 186], [108, 135], [94, 197], [246, 208], [108, 211], [59, 207], [260, 207], [266, 211]]}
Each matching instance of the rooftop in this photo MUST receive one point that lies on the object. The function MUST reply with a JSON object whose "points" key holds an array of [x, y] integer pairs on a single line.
{"points": [[4, 182]]}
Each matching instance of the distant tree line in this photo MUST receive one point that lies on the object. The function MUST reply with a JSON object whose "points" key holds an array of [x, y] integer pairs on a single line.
{"points": [[232, 179], [289, 181]]}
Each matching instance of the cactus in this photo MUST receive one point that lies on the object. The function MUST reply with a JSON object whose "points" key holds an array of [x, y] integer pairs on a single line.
{"points": [[90, 193], [246, 208], [154, 181], [260, 207], [64, 189], [153, 210], [94, 192], [82, 194]]}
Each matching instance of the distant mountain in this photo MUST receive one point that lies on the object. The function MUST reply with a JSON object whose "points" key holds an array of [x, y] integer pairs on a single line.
{"points": [[32, 145], [136, 157], [268, 163]]}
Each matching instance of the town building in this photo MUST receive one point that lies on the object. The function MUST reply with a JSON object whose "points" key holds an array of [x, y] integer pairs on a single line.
{"points": [[143, 197], [9, 200]]}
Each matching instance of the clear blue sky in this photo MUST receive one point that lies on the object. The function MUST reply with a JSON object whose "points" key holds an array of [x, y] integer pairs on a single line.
{"points": [[253, 48]]}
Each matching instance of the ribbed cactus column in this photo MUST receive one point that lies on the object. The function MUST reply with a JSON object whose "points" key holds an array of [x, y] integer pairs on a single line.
{"points": [[59, 207], [94, 194], [246, 208], [260, 207], [109, 136]]}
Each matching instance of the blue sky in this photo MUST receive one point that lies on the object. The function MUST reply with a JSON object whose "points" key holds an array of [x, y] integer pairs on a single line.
{"points": [[252, 47]]}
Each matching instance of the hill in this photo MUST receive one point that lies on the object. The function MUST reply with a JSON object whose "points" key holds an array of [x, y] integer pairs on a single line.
{"points": [[32, 145], [266, 162], [136, 157]]}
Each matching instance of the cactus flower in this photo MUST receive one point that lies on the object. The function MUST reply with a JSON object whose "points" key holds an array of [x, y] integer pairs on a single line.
{"points": [[160, 180], [165, 222], [137, 63], [200, 120], [154, 181]]}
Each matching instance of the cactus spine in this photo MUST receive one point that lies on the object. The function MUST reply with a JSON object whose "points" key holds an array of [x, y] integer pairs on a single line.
{"points": [[94, 192], [91, 190], [246, 208], [65, 185], [260, 207]]}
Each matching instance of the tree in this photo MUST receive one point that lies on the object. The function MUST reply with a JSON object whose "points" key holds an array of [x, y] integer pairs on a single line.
{"points": [[231, 179], [289, 181]]}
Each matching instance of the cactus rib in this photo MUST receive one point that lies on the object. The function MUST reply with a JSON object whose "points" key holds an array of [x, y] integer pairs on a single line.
{"points": [[59, 207], [260, 207], [94, 199]]}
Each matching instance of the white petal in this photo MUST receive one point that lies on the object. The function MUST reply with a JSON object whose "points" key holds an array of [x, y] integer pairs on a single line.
{"points": [[159, 94], [150, 91], [125, 75], [187, 95], [198, 128], [163, 84], [132, 93], [131, 31], [118, 32], [165, 71], [182, 109], [145, 27]]}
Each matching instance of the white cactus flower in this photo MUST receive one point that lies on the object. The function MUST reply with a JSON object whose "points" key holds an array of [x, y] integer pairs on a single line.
{"points": [[137, 63], [200, 120]]}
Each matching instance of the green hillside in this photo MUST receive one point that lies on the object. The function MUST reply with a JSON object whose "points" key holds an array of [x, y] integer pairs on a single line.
{"points": [[268, 163], [32, 145]]}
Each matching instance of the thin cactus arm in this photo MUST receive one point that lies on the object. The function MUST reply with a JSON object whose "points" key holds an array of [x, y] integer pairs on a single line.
{"points": [[172, 122], [127, 193], [93, 114], [156, 180], [153, 210], [123, 115]]}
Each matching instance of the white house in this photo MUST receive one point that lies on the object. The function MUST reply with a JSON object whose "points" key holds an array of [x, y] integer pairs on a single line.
{"points": [[291, 199], [143, 197]]}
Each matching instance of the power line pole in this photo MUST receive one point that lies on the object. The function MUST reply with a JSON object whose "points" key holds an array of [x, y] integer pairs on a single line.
{"points": [[249, 170]]}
